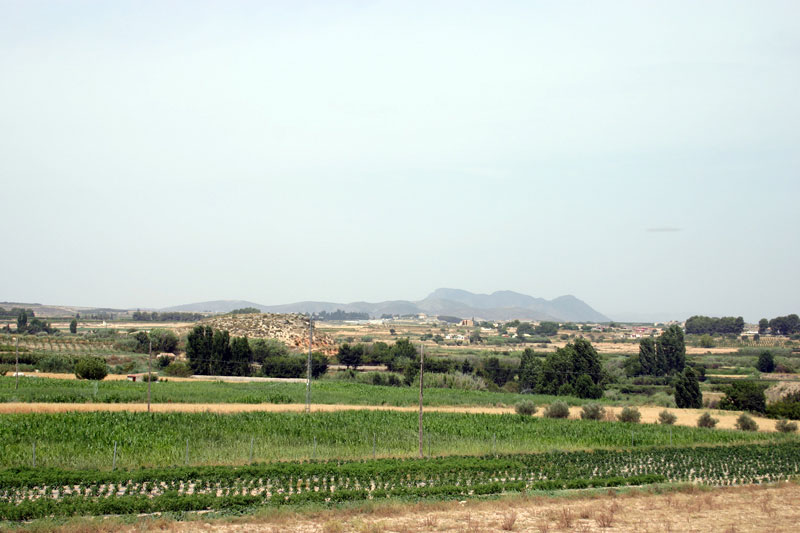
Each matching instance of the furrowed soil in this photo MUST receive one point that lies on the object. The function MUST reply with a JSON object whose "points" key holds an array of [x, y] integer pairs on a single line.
{"points": [[745, 509], [686, 417]]}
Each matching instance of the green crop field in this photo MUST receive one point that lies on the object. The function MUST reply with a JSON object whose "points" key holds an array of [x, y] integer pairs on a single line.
{"points": [[324, 391], [86, 440], [33, 389], [29, 493]]}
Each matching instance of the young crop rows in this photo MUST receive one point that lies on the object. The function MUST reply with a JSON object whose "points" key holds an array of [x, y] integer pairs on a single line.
{"points": [[27, 493]]}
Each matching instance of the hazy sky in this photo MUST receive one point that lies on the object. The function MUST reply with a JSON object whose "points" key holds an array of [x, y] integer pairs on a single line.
{"points": [[643, 156]]}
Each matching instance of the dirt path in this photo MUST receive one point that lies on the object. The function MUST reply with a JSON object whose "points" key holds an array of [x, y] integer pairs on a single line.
{"points": [[747, 509], [686, 417]]}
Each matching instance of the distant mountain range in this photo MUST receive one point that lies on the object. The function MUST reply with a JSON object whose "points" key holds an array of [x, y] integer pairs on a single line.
{"points": [[500, 305]]}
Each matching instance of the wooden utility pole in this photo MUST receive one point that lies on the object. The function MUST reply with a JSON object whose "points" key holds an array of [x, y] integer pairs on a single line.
{"points": [[308, 366], [421, 379], [16, 373], [149, 377]]}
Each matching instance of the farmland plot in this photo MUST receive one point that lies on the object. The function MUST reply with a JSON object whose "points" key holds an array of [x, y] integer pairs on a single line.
{"points": [[29, 493]]}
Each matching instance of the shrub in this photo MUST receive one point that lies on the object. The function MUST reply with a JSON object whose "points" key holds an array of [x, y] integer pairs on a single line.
{"points": [[586, 388], [744, 396], [566, 390], [630, 414], [526, 407], [766, 363], [178, 369], [164, 361], [593, 411], [746, 423], [706, 421], [557, 409], [150, 377], [784, 426], [56, 364], [94, 368], [667, 418]]}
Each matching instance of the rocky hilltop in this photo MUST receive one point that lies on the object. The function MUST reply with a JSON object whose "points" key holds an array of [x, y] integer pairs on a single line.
{"points": [[290, 329]]}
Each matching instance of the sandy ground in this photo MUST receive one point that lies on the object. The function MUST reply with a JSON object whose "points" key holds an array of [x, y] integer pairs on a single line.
{"points": [[746, 509], [686, 417]]}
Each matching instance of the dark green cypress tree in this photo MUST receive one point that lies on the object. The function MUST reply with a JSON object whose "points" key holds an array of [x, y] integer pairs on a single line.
{"points": [[648, 358], [687, 390]]}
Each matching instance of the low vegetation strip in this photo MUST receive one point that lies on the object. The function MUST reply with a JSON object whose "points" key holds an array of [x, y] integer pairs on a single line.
{"points": [[35, 389], [88, 440], [28, 493]]}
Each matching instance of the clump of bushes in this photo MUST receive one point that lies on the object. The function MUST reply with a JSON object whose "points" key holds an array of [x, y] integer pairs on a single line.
{"points": [[746, 423], [178, 369], [706, 421], [557, 409], [526, 408], [593, 411], [94, 368], [666, 418], [784, 426], [56, 364], [630, 414]]}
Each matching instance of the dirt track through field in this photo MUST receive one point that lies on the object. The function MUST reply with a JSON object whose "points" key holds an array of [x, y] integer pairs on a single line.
{"points": [[686, 417]]}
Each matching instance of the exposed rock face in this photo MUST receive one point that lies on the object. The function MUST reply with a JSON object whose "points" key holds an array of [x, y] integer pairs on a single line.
{"points": [[290, 329]]}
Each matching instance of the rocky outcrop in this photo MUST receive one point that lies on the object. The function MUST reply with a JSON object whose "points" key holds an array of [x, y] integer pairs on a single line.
{"points": [[290, 329]]}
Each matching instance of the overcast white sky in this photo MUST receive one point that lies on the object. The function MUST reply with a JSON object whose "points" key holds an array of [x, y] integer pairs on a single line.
{"points": [[643, 156]]}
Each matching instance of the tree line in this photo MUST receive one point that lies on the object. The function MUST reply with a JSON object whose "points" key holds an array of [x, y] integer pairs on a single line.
{"points": [[726, 325], [666, 356], [339, 314], [165, 316], [780, 325], [215, 353], [27, 323]]}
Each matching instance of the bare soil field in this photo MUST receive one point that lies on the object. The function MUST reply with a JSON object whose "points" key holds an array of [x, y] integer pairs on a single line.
{"points": [[745, 509], [686, 417]]}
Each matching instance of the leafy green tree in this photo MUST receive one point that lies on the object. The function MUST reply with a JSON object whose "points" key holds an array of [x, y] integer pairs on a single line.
{"points": [[198, 349], [319, 365], [648, 359], [744, 396], [763, 325], [22, 321], [350, 356], [585, 360], [556, 371], [164, 341], [766, 362], [548, 329], [525, 328], [404, 348], [586, 388], [94, 368], [687, 390], [671, 349], [221, 355], [529, 369], [241, 357], [267, 348], [73, 326], [785, 325]]}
